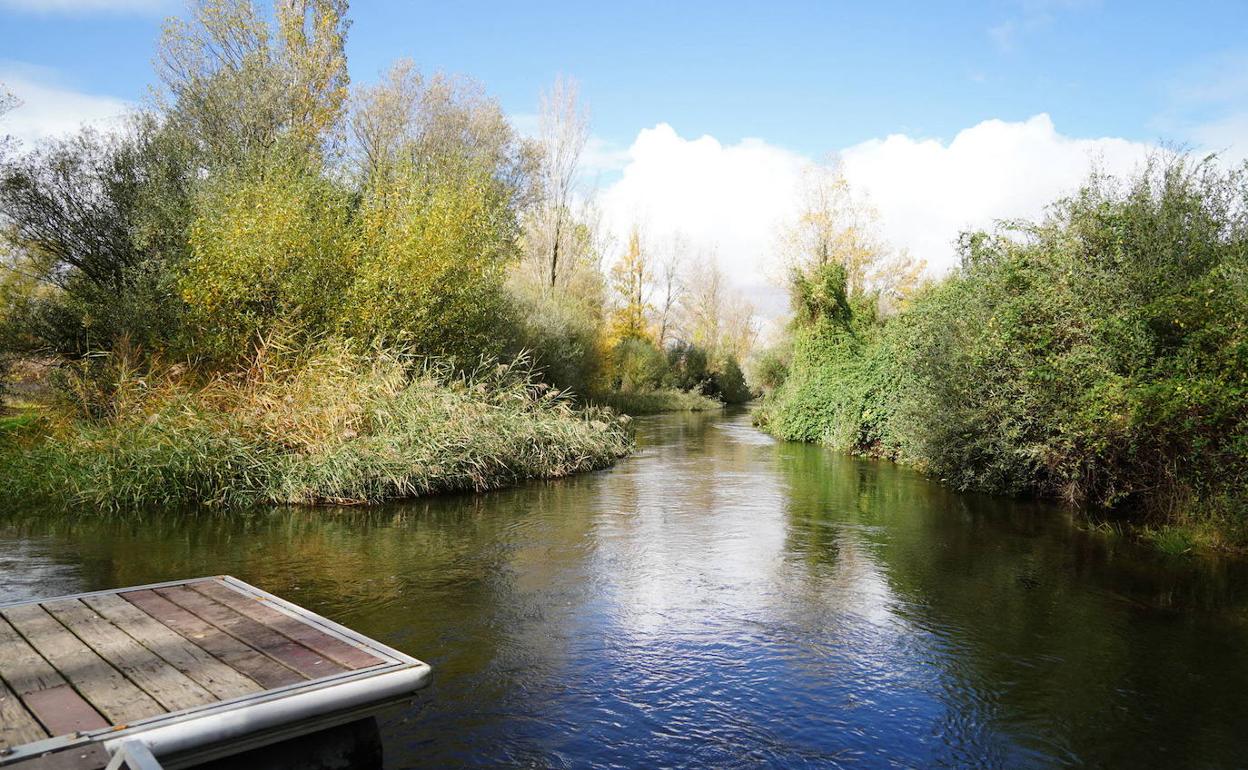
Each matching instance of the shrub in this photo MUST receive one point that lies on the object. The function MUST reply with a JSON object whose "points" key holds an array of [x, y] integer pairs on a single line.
{"points": [[272, 245], [431, 268]]}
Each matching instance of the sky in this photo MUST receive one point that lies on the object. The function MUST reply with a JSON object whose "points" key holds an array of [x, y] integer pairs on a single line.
{"points": [[945, 116]]}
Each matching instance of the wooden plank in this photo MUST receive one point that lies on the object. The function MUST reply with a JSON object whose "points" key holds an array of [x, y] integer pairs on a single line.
{"points": [[90, 756], [44, 692], [24, 669], [253, 664], [192, 660], [103, 686], [314, 639], [17, 726], [257, 635], [169, 687], [63, 711]]}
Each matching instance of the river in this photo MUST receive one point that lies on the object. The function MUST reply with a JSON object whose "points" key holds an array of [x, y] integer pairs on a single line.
{"points": [[724, 600]]}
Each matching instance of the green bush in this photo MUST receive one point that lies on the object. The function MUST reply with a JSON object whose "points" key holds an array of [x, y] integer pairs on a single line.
{"points": [[637, 365], [273, 245], [1099, 356]]}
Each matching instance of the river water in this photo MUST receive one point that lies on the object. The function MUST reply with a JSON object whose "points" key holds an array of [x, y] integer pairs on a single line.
{"points": [[724, 600]]}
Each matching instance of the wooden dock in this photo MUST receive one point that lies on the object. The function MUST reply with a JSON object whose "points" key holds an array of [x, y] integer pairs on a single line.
{"points": [[178, 673]]}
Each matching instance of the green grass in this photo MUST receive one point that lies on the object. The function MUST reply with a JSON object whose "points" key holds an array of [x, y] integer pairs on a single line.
{"points": [[658, 401], [334, 427]]}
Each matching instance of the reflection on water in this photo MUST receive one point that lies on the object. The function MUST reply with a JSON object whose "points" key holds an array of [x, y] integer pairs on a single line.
{"points": [[722, 600]]}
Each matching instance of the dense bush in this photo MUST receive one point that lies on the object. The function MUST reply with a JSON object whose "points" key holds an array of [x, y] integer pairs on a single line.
{"points": [[1099, 355], [433, 251], [271, 245], [95, 225]]}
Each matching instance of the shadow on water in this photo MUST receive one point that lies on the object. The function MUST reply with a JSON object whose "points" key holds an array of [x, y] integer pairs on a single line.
{"points": [[723, 600]]}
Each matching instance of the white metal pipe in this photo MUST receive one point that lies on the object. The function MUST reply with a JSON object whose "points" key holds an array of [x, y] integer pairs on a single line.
{"points": [[224, 726]]}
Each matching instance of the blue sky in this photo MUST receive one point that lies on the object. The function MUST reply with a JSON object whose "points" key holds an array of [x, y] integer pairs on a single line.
{"points": [[946, 115], [812, 77]]}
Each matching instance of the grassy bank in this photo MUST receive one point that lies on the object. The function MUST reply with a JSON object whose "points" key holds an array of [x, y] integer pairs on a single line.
{"points": [[1098, 357], [329, 426], [658, 401]]}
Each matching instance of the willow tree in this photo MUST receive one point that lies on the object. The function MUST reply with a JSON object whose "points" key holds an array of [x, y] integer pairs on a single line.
{"points": [[239, 84], [834, 225]]}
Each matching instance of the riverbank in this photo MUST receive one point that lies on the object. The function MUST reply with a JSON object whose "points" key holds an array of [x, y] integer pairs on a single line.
{"points": [[1098, 357], [332, 427]]}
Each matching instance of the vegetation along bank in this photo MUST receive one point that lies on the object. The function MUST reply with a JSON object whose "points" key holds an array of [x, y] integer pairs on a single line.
{"points": [[1098, 356], [270, 286]]}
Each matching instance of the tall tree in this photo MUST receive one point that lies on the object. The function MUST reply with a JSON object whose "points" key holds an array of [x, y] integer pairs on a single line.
{"points": [[672, 288], [831, 226], [239, 86], [437, 125], [563, 126], [630, 278]]}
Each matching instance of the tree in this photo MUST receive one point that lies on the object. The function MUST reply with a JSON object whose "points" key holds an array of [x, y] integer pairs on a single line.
{"points": [[102, 220], [563, 126], [672, 288], [273, 248], [630, 278], [831, 225], [439, 126], [236, 92], [8, 103]]}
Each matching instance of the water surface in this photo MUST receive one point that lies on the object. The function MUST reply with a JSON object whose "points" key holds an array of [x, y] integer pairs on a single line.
{"points": [[723, 600]]}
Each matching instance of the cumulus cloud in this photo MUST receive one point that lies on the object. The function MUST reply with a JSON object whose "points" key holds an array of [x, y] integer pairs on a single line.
{"points": [[726, 198], [47, 109], [733, 197], [927, 191]]}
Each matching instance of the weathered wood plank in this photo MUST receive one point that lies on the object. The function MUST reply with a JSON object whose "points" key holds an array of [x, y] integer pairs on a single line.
{"points": [[257, 635], [103, 686], [44, 692], [91, 756], [250, 662], [192, 660], [17, 726], [24, 669], [171, 688], [62, 710], [314, 639]]}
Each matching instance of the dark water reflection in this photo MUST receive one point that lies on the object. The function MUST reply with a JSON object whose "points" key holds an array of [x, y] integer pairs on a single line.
{"points": [[720, 600]]}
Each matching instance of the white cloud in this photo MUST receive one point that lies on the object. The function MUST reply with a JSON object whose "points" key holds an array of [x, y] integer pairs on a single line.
{"points": [[49, 7], [48, 109], [735, 196], [726, 197], [927, 191]]}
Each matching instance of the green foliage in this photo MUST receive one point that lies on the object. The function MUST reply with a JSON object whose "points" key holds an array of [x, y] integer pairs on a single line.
{"points": [[821, 294], [636, 365], [560, 332], [728, 382], [431, 268], [1099, 356], [771, 368], [658, 401], [332, 424], [96, 227], [272, 247], [688, 366]]}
